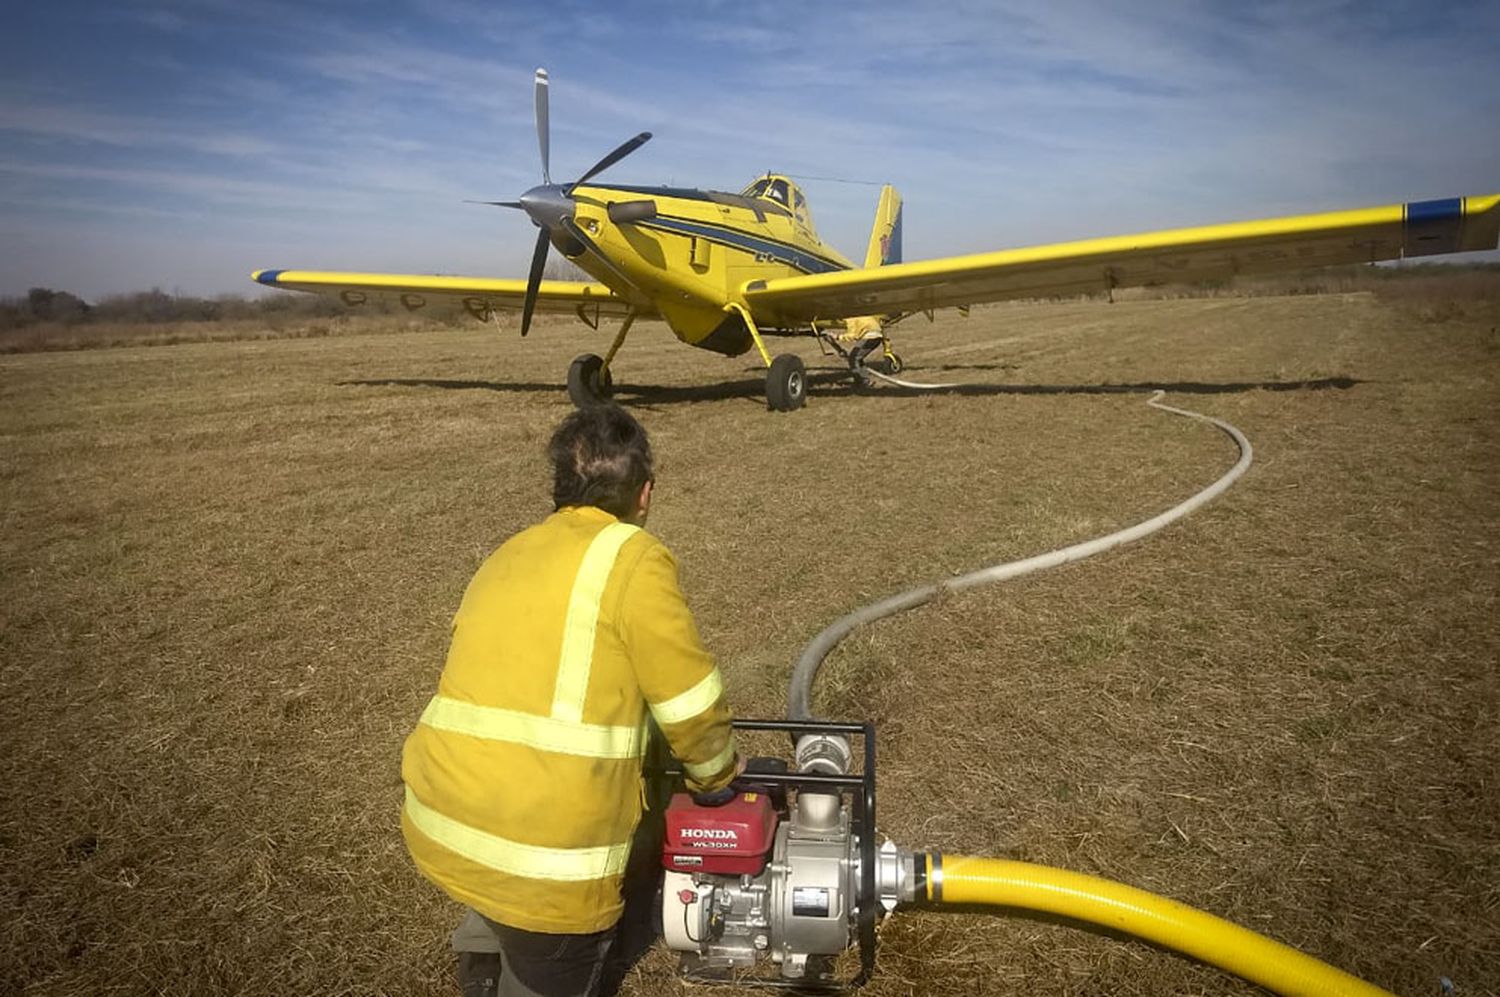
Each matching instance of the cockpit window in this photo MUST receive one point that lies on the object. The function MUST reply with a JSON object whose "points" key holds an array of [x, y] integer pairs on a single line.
{"points": [[776, 190], [800, 208]]}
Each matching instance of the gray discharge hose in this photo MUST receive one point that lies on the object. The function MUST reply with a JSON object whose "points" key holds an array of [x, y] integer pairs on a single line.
{"points": [[799, 694]]}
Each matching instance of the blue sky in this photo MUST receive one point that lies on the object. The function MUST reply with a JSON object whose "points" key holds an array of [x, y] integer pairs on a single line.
{"points": [[184, 143]]}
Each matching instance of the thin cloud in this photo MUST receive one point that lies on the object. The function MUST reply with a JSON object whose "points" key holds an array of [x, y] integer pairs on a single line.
{"points": [[1002, 123], [82, 125]]}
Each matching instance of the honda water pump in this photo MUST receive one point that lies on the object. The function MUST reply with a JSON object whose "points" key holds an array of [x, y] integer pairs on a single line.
{"points": [[782, 869]]}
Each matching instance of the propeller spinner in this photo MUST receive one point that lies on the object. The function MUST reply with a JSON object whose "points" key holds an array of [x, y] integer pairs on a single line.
{"points": [[549, 205]]}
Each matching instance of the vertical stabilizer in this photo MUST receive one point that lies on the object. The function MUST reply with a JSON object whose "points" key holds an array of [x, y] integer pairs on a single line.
{"points": [[885, 238]]}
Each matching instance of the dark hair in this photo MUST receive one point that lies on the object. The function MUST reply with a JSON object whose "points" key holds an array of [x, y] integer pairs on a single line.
{"points": [[600, 457]]}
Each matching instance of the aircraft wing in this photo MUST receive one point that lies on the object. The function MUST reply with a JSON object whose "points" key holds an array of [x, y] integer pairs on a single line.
{"points": [[479, 296], [1421, 228]]}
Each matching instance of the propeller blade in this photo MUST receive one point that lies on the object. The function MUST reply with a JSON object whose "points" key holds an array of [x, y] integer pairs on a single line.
{"points": [[534, 281], [625, 149], [499, 204], [543, 125]]}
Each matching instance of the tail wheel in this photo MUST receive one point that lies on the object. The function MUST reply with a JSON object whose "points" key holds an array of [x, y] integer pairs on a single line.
{"points": [[786, 383], [891, 364], [589, 382]]}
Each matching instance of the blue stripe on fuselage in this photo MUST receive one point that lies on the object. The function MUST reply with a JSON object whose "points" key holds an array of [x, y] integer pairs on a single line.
{"points": [[1433, 227], [780, 251]]}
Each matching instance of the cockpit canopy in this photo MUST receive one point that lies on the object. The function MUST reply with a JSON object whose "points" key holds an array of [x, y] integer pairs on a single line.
{"points": [[780, 190]]}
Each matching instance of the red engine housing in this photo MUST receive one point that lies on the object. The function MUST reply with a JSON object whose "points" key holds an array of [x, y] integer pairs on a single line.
{"points": [[733, 839]]}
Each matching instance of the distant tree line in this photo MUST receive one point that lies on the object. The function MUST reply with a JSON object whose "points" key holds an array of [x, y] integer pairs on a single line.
{"points": [[156, 307], [46, 305]]}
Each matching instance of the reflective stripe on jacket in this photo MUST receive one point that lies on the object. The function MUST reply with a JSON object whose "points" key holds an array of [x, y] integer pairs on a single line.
{"points": [[523, 775]]}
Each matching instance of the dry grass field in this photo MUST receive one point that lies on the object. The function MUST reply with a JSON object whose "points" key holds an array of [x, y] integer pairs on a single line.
{"points": [[228, 568]]}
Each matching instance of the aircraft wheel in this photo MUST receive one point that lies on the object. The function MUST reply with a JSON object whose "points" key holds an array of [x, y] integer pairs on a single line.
{"points": [[786, 383], [890, 365], [588, 382]]}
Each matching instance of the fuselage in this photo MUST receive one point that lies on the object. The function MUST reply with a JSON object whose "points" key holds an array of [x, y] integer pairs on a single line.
{"points": [[687, 254]]}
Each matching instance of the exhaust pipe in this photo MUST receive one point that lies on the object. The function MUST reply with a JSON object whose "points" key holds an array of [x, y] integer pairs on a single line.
{"points": [[625, 212]]}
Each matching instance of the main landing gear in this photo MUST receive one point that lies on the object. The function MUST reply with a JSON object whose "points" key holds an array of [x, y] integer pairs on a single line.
{"points": [[786, 376], [589, 379]]}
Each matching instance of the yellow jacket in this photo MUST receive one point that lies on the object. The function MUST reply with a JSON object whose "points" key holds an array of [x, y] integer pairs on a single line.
{"points": [[523, 777]]}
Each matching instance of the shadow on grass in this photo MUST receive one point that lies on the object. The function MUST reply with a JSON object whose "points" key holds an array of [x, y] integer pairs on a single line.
{"points": [[834, 384], [628, 394]]}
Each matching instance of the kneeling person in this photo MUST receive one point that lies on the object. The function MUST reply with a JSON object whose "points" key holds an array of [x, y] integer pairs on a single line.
{"points": [[523, 775]]}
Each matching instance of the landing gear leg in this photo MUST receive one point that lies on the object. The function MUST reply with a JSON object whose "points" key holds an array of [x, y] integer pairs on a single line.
{"points": [[589, 379], [786, 377], [614, 347]]}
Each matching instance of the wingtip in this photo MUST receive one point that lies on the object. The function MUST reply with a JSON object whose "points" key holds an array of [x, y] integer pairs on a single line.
{"points": [[267, 277]]}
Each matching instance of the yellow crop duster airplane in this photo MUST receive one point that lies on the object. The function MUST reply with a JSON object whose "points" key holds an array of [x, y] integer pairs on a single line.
{"points": [[726, 271]]}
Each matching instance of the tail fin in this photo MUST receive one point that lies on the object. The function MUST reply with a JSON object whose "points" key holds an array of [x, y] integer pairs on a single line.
{"points": [[885, 239]]}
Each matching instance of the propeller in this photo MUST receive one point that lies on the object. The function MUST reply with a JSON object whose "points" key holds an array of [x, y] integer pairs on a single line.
{"points": [[551, 206]]}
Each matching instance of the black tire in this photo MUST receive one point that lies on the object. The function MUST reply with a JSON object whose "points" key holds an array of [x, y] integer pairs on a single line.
{"points": [[786, 383], [893, 364], [588, 382]]}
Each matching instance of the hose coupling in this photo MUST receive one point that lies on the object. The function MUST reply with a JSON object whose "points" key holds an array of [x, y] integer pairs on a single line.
{"points": [[823, 753], [895, 875]]}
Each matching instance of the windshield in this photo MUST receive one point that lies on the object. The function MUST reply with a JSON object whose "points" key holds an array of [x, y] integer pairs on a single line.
{"points": [[772, 188]]}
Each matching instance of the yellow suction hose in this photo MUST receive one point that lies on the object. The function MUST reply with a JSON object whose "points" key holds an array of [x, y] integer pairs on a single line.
{"points": [[962, 879]]}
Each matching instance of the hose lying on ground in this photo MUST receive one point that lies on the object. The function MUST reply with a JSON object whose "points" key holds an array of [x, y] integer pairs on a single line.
{"points": [[799, 694], [890, 379]]}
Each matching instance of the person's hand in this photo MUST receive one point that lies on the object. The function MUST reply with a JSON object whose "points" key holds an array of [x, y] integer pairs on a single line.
{"points": [[727, 792]]}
